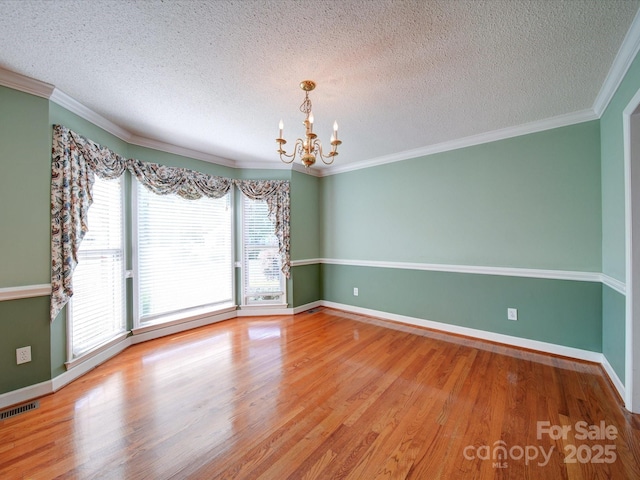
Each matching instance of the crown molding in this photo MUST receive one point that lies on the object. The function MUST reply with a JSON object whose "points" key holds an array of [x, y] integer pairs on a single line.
{"points": [[314, 172], [25, 84], [627, 52], [487, 137], [60, 98], [182, 151], [258, 164]]}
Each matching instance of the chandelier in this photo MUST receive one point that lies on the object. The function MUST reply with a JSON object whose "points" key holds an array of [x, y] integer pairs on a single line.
{"points": [[308, 149]]}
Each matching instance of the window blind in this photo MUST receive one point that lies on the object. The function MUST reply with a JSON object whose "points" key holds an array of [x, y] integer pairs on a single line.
{"points": [[97, 306], [263, 281], [184, 253]]}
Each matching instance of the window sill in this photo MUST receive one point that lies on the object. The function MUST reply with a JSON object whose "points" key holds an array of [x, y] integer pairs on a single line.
{"points": [[262, 306], [183, 317], [96, 351]]}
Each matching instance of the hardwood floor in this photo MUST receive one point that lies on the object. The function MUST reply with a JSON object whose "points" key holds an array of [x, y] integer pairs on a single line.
{"points": [[326, 394]]}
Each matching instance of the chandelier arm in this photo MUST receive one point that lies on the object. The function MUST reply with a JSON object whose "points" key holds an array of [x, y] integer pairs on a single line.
{"points": [[284, 160], [325, 159], [292, 156]]}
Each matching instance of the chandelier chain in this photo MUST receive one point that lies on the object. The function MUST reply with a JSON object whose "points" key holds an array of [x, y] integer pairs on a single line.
{"points": [[305, 106]]}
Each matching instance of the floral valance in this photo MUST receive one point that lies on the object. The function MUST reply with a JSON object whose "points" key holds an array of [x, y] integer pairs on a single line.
{"points": [[75, 162]]}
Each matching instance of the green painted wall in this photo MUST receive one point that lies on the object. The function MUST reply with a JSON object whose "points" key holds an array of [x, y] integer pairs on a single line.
{"points": [[24, 322], [61, 116], [307, 284], [613, 330], [613, 217], [262, 174], [305, 237], [58, 329], [531, 201], [25, 179], [555, 311], [305, 216], [612, 160]]}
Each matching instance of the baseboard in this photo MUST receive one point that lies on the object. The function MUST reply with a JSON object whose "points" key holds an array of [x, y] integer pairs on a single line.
{"points": [[536, 345], [613, 376], [266, 311], [25, 394], [147, 334], [307, 306], [263, 311], [86, 366]]}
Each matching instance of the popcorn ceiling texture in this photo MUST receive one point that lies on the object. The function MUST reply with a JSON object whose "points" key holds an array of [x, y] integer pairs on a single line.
{"points": [[217, 76]]}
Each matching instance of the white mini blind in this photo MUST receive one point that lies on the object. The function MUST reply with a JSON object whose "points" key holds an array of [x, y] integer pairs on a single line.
{"points": [[98, 303], [263, 281], [184, 250]]}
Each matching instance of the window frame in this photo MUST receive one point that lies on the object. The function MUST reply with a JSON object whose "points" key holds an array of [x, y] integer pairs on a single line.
{"points": [[100, 347], [279, 302], [163, 320]]}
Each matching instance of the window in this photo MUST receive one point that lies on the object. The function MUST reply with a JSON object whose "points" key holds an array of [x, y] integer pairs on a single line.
{"points": [[96, 311], [184, 254], [263, 281]]}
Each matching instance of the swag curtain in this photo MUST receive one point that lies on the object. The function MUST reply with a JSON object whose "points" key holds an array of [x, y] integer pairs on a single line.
{"points": [[75, 162]]}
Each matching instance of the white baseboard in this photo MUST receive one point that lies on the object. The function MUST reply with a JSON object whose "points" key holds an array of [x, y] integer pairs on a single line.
{"points": [[472, 332], [149, 333], [613, 376], [92, 362], [263, 311], [308, 306], [266, 311], [25, 394]]}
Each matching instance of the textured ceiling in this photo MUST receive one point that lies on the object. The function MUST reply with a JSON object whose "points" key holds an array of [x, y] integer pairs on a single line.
{"points": [[217, 76]]}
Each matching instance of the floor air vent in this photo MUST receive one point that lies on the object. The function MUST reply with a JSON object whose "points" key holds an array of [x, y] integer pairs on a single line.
{"points": [[12, 412]]}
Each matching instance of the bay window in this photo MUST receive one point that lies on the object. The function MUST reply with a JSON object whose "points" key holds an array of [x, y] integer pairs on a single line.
{"points": [[184, 254]]}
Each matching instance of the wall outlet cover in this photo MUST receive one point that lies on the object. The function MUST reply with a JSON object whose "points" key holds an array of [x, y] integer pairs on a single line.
{"points": [[23, 355], [512, 313]]}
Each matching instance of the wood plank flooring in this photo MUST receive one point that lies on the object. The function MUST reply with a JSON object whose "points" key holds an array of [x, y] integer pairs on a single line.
{"points": [[325, 395]]}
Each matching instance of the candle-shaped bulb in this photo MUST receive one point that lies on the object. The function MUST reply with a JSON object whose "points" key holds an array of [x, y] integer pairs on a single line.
{"points": [[311, 117], [335, 130], [281, 126]]}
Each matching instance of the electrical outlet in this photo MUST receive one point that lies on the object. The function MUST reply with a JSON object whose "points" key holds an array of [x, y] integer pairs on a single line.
{"points": [[355, 291], [23, 355], [512, 314]]}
